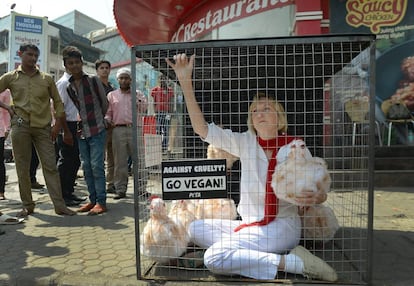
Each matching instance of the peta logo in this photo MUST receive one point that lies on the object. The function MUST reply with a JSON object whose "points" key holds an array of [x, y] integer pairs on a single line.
{"points": [[375, 13]]}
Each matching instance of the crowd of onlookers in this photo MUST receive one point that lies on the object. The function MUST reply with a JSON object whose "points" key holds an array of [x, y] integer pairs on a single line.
{"points": [[75, 118]]}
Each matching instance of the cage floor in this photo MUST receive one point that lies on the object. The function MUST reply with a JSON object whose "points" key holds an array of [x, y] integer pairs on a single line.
{"points": [[157, 272], [346, 253]]}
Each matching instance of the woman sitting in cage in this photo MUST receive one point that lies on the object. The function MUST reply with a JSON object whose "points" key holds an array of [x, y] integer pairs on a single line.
{"points": [[255, 246]]}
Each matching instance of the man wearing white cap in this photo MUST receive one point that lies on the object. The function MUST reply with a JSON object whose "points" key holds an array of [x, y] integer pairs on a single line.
{"points": [[119, 115]]}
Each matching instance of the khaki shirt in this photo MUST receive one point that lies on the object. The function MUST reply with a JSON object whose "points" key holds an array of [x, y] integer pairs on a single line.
{"points": [[31, 96]]}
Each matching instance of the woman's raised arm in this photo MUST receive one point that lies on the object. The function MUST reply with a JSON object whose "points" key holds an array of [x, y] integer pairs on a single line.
{"points": [[183, 68]]}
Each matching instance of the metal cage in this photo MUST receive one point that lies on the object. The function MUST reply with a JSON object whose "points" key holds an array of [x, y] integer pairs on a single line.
{"points": [[326, 86]]}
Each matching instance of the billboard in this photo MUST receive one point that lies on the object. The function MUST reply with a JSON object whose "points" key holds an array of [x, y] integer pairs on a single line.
{"points": [[27, 29], [392, 21]]}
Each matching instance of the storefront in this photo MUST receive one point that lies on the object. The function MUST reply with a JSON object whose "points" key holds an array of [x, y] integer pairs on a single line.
{"points": [[140, 22]]}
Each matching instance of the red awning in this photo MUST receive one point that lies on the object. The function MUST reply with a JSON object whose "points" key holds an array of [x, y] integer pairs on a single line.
{"points": [[151, 21]]}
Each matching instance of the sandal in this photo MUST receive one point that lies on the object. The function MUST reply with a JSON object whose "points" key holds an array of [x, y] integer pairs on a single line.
{"points": [[6, 219], [2, 197], [24, 213]]}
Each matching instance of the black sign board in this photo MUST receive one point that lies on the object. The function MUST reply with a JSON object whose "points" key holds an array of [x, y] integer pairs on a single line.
{"points": [[197, 179]]}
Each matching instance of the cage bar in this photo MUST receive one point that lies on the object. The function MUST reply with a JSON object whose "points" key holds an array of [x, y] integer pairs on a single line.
{"points": [[325, 83]]}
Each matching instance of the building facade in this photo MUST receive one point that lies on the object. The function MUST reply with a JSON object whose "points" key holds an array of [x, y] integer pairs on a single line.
{"points": [[50, 37]]}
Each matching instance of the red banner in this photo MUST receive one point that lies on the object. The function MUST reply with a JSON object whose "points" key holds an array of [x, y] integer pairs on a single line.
{"points": [[213, 15]]}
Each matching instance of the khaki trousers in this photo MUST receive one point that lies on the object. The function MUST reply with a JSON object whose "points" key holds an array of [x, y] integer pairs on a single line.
{"points": [[122, 148], [22, 136], [122, 137], [109, 158]]}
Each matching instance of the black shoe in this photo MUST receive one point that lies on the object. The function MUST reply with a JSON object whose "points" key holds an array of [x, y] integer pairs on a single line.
{"points": [[71, 203], [77, 199], [111, 190], [37, 186], [119, 196]]}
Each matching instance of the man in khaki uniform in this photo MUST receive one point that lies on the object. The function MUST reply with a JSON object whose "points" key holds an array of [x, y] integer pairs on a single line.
{"points": [[31, 116]]}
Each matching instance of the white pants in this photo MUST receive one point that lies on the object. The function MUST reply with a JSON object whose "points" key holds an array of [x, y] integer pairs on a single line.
{"points": [[253, 251]]}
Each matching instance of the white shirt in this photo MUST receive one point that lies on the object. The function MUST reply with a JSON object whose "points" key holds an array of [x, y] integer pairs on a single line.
{"points": [[72, 113], [253, 171]]}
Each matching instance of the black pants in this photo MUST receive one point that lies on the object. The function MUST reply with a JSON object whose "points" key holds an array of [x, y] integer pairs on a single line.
{"points": [[68, 161], [2, 166], [163, 127], [34, 164]]}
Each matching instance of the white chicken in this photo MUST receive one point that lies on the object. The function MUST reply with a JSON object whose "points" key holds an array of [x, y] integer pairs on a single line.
{"points": [[300, 172], [216, 208], [217, 153], [319, 223], [162, 239], [182, 212]]}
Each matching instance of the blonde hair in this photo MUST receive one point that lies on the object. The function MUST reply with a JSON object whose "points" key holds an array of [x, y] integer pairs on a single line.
{"points": [[281, 114]]}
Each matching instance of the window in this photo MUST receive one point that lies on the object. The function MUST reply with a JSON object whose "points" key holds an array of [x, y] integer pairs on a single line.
{"points": [[4, 40], [3, 68], [54, 46]]}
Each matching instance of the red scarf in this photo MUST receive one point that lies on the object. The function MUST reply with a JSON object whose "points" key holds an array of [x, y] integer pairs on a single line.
{"points": [[271, 201]]}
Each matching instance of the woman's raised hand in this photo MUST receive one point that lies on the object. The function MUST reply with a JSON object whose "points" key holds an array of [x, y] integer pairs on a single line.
{"points": [[183, 66]]}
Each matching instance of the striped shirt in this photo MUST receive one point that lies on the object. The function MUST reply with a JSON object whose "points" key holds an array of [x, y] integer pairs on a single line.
{"points": [[91, 101]]}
